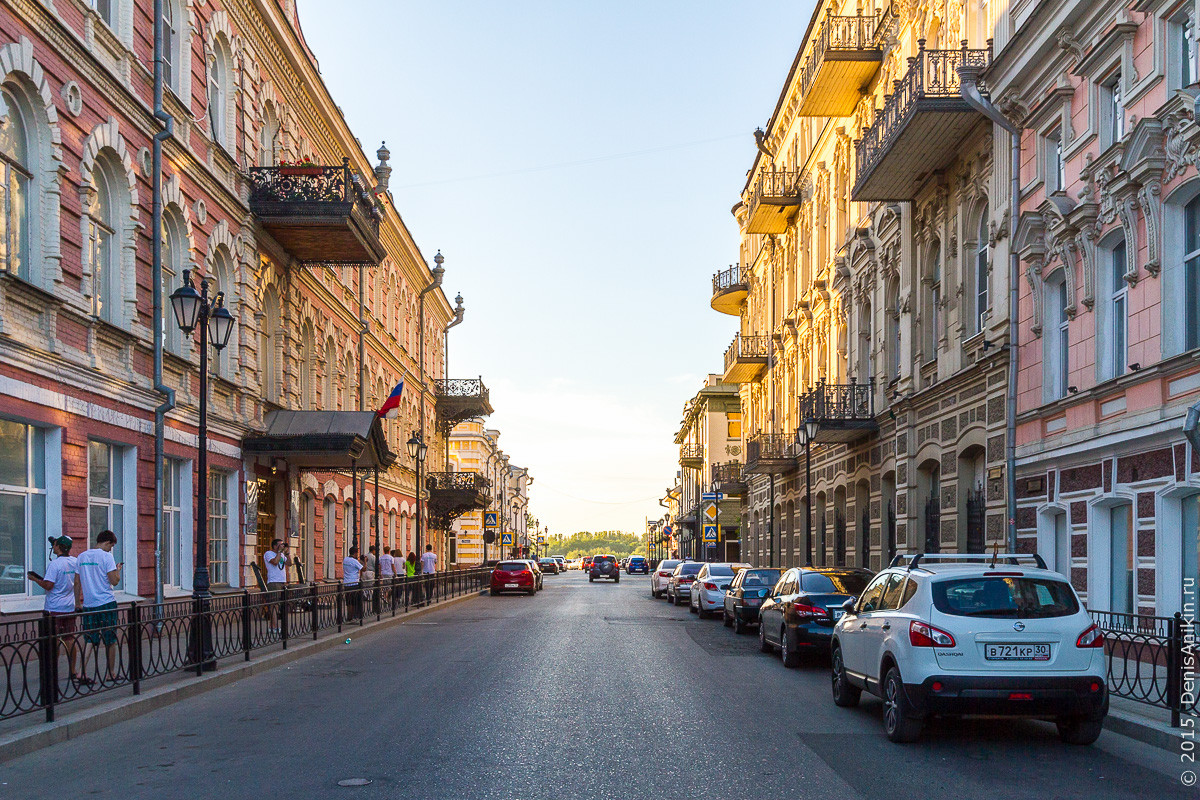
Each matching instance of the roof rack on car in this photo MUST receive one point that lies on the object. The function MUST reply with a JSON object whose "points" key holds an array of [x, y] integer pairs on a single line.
{"points": [[915, 559]]}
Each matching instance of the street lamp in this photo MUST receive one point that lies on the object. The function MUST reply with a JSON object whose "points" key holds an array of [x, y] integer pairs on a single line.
{"points": [[416, 451], [194, 309], [805, 435]]}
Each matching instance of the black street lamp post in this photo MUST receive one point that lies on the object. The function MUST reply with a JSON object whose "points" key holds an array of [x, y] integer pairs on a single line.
{"points": [[416, 451], [805, 435], [197, 310]]}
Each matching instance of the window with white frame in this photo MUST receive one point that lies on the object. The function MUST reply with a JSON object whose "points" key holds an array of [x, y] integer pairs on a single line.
{"points": [[391, 529], [172, 521], [107, 11], [173, 238], [1122, 560], [934, 302], [223, 276], [452, 543], [22, 504], [348, 529], [220, 72], [1191, 273], [1181, 53], [1056, 340], [327, 537], [982, 304], [1062, 545], [892, 313], [268, 138], [104, 250], [1056, 165], [16, 178], [106, 495], [1117, 311], [170, 42], [1112, 93], [218, 527]]}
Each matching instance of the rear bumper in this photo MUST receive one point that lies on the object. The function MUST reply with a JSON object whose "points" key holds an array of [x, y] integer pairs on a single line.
{"points": [[814, 635], [1016, 696], [747, 614]]}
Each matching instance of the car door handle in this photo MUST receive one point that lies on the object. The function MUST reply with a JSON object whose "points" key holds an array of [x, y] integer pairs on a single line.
{"points": [[887, 626], [860, 627]]}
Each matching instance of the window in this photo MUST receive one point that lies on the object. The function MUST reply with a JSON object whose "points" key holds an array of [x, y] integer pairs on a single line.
{"points": [[220, 68], [268, 138], [1056, 166], [103, 250], [452, 541], [981, 273], [15, 178], [733, 427], [105, 9], [170, 41], [934, 295], [1062, 545], [218, 527], [1114, 110], [1190, 553], [348, 522], [1191, 272], [173, 544], [328, 535], [172, 271], [1121, 564], [22, 503], [307, 368], [391, 539], [1185, 51], [106, 495], [1056, 342], [1005, 598], [269, 348], [308, 506], [872, 595], [1119, 300], [893, 330], [222, 268]]}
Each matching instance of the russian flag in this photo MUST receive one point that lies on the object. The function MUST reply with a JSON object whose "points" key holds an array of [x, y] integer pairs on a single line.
{"points": [[391, 407]]}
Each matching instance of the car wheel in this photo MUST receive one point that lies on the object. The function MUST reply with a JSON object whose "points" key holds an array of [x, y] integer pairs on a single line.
{"points": [[739, 626], [591, 579], [691, 608], [494, 592], [790, 657], [700, 611], [616, 580], [1079, 730], [899, 722], [763, 645], [726, 620], [532, 592], [844, 694]]}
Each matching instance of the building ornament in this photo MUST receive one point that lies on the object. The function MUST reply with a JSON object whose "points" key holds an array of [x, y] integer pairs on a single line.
{"points": [[1072, 46], [1181, 145]]}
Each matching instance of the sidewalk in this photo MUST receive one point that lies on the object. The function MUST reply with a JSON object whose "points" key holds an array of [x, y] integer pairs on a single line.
{"points": [[26, 734], [1148, 724]]}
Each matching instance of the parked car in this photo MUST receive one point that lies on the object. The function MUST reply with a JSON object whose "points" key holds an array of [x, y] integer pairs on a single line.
{"points": [[548, 565], [12, 579], [537, 570], [681, 581], [513, 576], [562, 562], [662, 576], [587, 563], [637, 564], [799, 613], [966, 635], [605, 566], [746, 594], [707, 592], [575, 563]]}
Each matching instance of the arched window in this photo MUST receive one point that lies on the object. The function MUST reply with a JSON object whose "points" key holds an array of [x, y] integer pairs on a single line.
{"points": [[892, 312], [174, 244], [103, 243], [172, 52], [933, 301], [17, 183], [1056, 340], [329, 400], [308, 367], [268, 347], [348, 377], [268, 138], [1191, 272], [220, 81], [1118, 308], [981, 274], [222, 270]]}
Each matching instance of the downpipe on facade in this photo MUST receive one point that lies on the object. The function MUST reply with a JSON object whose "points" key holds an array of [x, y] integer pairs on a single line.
{"points": [[968, 78]]}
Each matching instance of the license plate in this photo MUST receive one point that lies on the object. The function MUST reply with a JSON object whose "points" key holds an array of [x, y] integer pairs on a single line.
{"points": [[1016, 652], [753, 601], [510, 586], [836, 613]]}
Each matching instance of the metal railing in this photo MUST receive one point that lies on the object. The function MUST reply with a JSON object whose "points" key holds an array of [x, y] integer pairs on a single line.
{"points": [[728, 278], [691, 452], [840, 402], [765, 446], [838, 33], [931, 74], [1148, 661], [460, 387], [729, 472], [305, 189], [747, 347], [49, 660], [462, 481]]}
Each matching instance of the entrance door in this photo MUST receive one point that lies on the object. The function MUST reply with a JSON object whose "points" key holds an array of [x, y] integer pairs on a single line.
{"points": [[266, 520]]}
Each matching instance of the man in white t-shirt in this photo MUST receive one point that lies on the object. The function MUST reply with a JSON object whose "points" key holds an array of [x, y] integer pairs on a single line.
{"points": [[276, 560], [428, 567], [351, 573], [59, 583], [96, 573], [387, 570]]}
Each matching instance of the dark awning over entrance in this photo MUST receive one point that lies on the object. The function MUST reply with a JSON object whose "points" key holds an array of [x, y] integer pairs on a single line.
{"points": [[323, 440]]}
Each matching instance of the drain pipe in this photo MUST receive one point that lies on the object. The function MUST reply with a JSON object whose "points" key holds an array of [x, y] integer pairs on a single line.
{"points": [[968, 77], [156, 268], [459, 310]]}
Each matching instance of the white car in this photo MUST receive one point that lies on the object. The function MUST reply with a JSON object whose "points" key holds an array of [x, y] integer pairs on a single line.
{"points": [[708, 590], [661, 576], [972, 635]]}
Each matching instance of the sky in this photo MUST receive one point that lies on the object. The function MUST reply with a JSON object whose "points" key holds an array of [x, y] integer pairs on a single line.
{"points": [[575, 161]]}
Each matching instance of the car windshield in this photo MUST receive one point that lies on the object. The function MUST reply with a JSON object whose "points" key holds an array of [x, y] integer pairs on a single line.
{"points": [[602, 559], [849, 583], [760, 578], [1005, 597], [720, 570], [511, 566], [668, 565], [637, 558], [690, 568]]}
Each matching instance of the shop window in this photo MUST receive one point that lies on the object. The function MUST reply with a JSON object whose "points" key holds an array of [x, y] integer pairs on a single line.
{"points": [[22, 504], [106, 497], [218, 527], [1122, 560]]}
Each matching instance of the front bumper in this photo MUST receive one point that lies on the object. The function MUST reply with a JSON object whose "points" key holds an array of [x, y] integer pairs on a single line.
{"points": [[1014, 696]]}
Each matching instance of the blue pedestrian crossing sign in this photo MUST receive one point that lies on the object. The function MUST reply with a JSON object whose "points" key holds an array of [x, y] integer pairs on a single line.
{"points": [[490, 519], [710, 533], [541, 540], [506, 538]]}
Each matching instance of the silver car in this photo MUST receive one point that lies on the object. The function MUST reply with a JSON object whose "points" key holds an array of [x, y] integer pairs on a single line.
{"points": [[708, 590]]}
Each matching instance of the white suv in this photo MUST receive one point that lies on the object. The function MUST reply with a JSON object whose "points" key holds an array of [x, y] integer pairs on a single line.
{"points": [[977, 634]]}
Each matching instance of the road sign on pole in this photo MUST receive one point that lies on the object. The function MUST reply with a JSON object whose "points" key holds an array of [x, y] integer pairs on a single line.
{"points": [[710, 534], [506, 538], [490, 519]]}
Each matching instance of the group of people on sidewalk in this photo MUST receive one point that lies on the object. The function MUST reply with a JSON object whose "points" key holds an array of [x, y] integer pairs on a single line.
{"points": [[356, 573]]}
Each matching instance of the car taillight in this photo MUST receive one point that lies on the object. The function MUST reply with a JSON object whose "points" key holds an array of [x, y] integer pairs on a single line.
{"points": [[804, 611], [1092, 637], [921, 634], [712, 587], [664, 574]]}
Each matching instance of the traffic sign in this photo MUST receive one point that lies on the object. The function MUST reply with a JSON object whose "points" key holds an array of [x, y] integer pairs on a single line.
{"points": [[667, 531], [541, 540], [710, 533], [506, 538], [706, 496], [710, 512], [490, 519]]}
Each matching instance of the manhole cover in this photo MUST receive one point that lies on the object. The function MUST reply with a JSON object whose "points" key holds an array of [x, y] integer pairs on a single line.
{"points": [[355, 782]]}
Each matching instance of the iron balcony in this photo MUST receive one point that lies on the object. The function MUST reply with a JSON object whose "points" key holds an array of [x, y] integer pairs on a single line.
{"points": [[691, 455], [459, 399], [774, 201], [319, 215], [729, 478], [770, 454], [844, 412], [452, 494], [845, 57], [919, 128], [729, 290], [746, 358]]}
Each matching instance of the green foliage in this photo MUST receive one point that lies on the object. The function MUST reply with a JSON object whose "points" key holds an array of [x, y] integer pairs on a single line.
{"points": [[587, 543]]}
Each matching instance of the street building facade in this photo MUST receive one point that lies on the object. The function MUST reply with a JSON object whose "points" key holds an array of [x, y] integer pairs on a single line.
{"points": [[476, 448], [710, 453]]}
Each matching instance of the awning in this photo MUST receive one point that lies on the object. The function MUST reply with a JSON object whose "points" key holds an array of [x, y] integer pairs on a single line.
{"points": [[323, 440]]}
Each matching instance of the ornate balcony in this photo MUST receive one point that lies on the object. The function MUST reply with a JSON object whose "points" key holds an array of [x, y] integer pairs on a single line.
{"points": [[746, 358], [460, 399], [774, 201], [730, 288], [844, 58], [729, 478], [919, 128], [770, 454], [452, 494], [691, 456], [845, 412], [319, 215]]}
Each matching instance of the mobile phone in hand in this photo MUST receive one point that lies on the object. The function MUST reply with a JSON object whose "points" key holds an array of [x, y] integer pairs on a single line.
{"points": [[35, 576]]}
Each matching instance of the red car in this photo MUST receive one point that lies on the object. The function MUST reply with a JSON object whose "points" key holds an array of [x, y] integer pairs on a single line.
{"points": [[513, 576], [587, 563]]}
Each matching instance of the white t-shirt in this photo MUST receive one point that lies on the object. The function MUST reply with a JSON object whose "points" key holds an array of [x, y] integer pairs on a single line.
{"points": [[93, 567], [61, 571], [369, 563], [351, 567], [428, 562], [387, 565], [277, 572]]}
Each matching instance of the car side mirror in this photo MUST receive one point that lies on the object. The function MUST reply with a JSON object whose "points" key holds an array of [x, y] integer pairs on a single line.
{"points": [[848, 606]]}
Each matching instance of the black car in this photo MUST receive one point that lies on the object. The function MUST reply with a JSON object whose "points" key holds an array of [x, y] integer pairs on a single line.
{"points": [[746, 594], [605, 567], [548, 565], [800, 612]]}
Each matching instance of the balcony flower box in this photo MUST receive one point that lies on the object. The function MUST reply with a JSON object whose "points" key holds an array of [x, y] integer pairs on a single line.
{"points": [[308, 171]]}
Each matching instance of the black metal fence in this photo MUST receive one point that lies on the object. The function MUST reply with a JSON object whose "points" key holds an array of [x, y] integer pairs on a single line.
{"points": [[51, 660], [728, 278], [1152, 660]]}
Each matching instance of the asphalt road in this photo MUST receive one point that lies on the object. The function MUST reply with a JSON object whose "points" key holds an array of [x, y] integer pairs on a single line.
{"points": [[584, 691]]}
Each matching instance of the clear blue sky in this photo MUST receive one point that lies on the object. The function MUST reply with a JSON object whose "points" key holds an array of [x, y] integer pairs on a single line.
{"points": [[575, 161]]}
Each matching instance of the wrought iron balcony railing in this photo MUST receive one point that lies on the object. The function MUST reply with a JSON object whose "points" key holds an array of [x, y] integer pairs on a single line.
{"points": [[730, 287], [843, 411], [768, 447], [460, 399], [728, 279], [747, 347], [931, 74], [775, 198], [458, 481], [460, 387], [730, 476], [691, 453], [838, 33]]}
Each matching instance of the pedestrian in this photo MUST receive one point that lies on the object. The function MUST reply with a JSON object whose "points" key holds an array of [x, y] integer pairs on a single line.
{"points": [[369, 566], [410, 572], [351, 575], [428, 567], [96, 573], [387, 572], [277, 561], [61, 602]]}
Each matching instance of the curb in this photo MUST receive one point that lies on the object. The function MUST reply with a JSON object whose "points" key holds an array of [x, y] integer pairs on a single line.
{"points": [[77, 724], [1146, 731]]}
